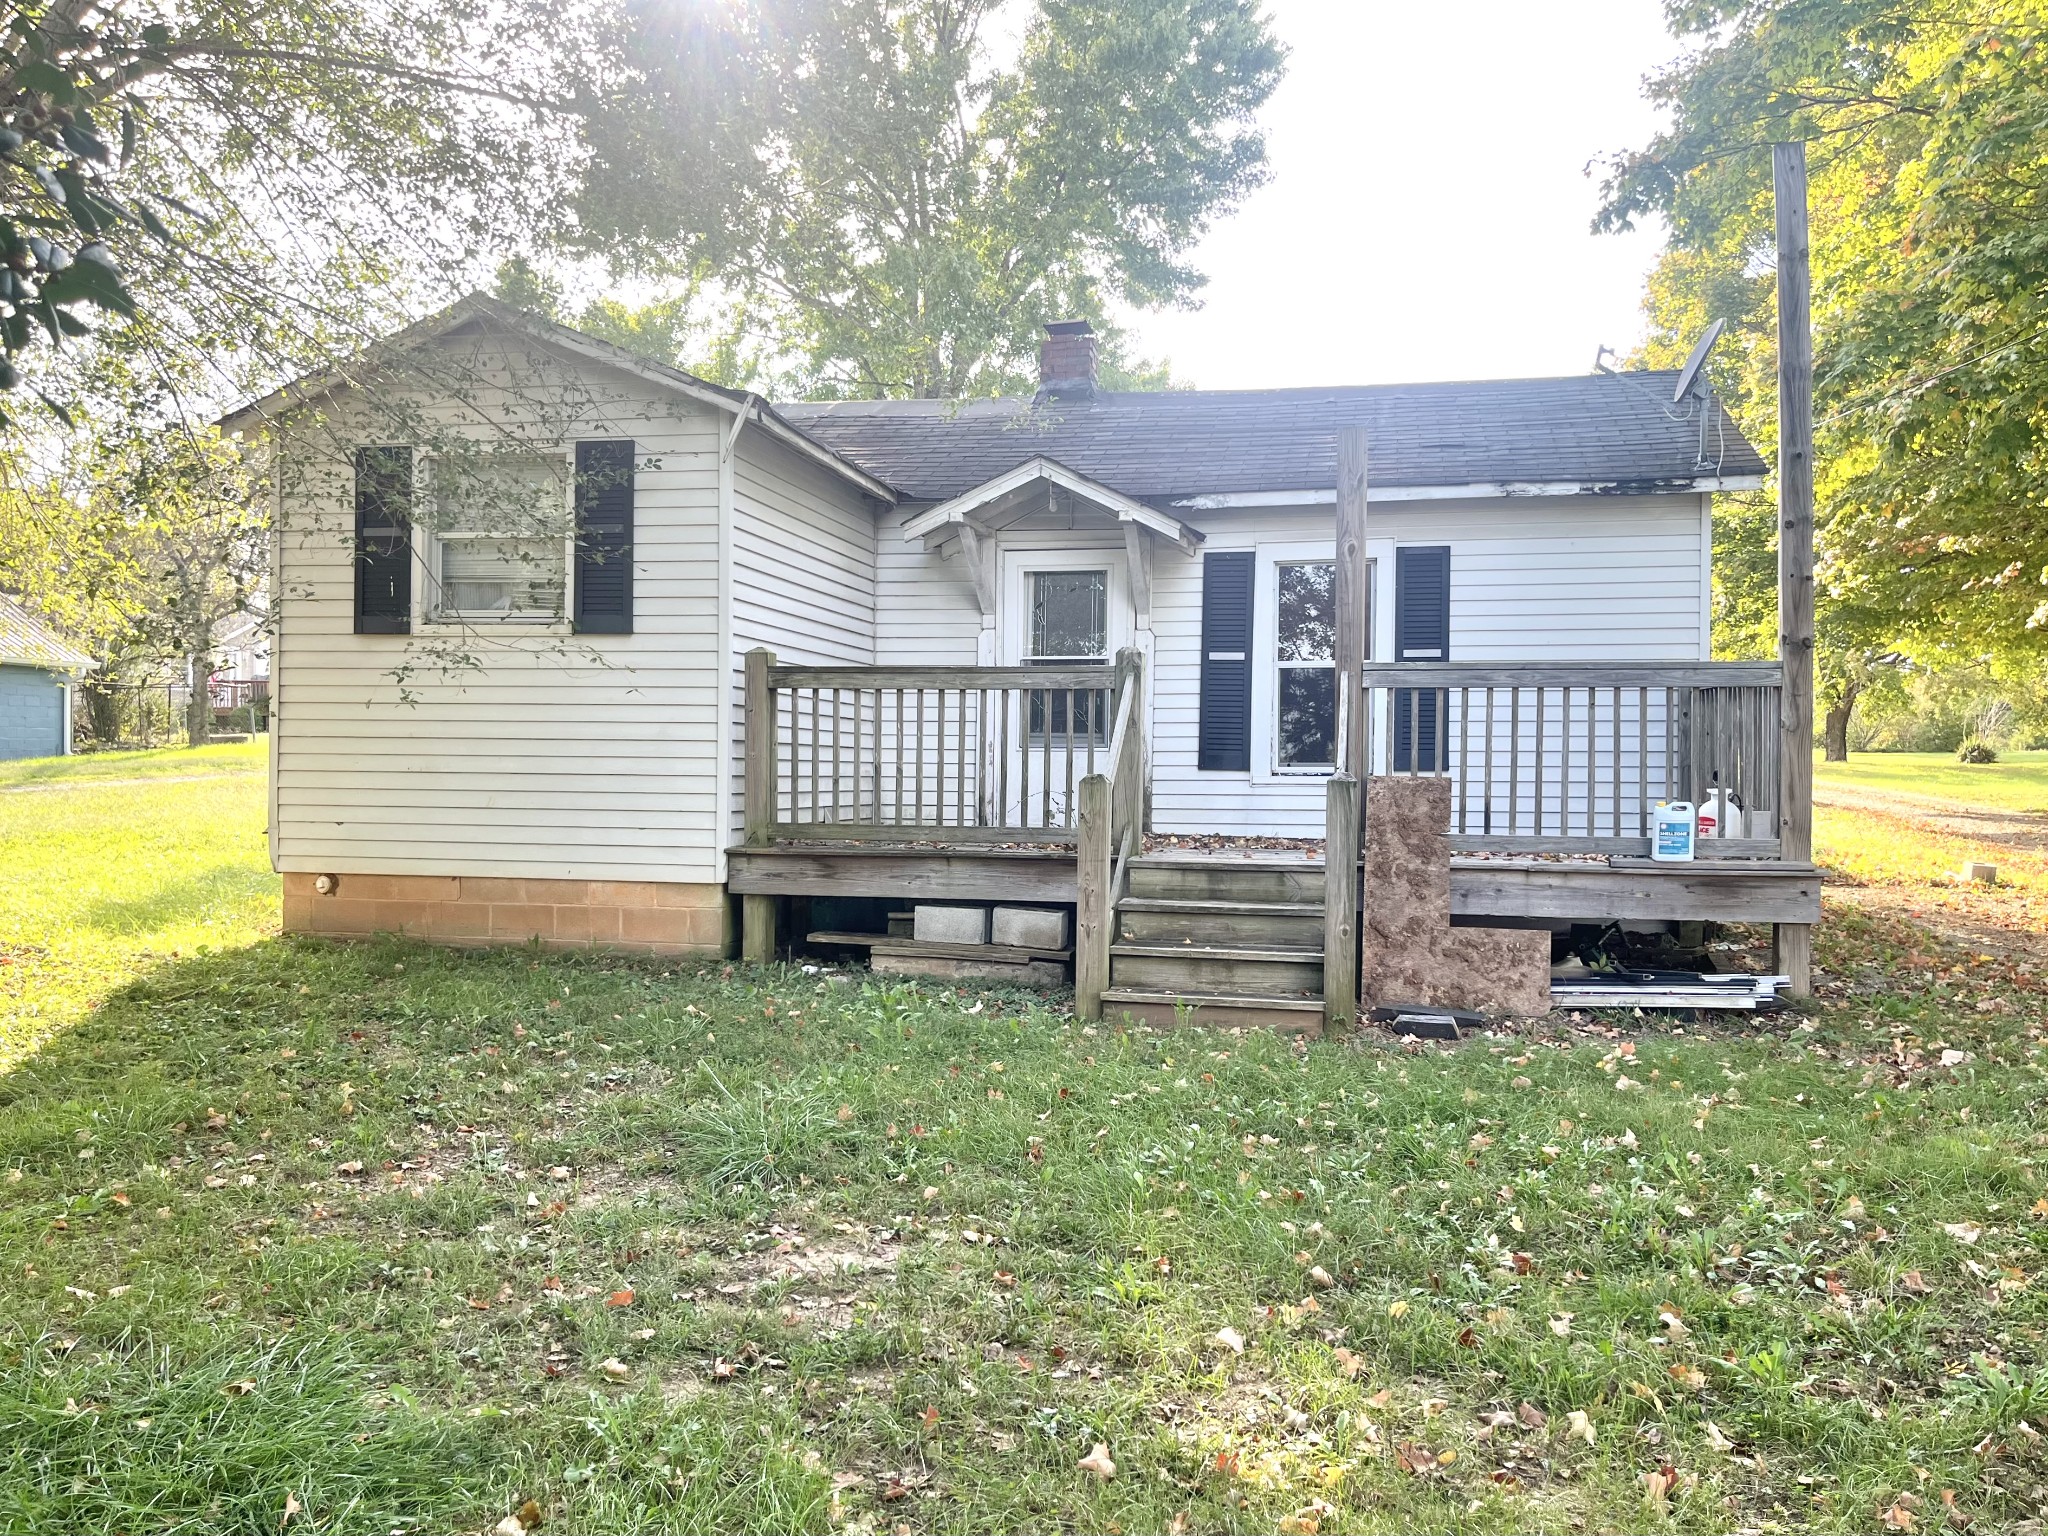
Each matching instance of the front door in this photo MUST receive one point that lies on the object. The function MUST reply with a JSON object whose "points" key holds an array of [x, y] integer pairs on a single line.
{"points": [[1065, 609]]}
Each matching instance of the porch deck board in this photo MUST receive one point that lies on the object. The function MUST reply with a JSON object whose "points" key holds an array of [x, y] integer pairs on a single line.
{"points": [[1586, 889]]}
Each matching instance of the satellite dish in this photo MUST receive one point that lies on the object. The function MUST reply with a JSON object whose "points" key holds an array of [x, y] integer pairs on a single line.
{"points": [[1690, 373]]}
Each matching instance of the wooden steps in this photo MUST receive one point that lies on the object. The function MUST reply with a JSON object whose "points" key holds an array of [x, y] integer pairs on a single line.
{"points": [[1219, 941]]}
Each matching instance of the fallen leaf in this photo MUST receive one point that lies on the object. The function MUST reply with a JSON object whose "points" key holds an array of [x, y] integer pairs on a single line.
{"points": [[1853, 1211], [1580, 1427], [1532, 1416], [845, 1113], [1690, 1377], [1349, 1362], [1912, 1280], [615, 1368], [240, 1388], [723, 1370], [1318, 1275], [1718, 1437], [1561, 1325], [1397, 1309], [1657, 1488], [1898, 1518], [622, 1298], [1098, 1462], [1963, 1231], [1230, 1339], [931, 1419]]}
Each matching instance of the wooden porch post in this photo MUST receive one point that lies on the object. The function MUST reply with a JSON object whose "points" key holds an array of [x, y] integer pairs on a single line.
{"points": [[1344, 800], [1793, 942], [1352, 598], [757, 914], [1092, 934]]}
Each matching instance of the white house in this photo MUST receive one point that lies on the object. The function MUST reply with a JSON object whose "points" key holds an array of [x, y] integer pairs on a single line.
{"points": [[506, 727]]}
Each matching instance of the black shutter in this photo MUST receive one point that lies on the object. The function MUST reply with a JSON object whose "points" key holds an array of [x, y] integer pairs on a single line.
{"points": [[604, 537], [1422, 632], [1224, 736], [383, 553]]}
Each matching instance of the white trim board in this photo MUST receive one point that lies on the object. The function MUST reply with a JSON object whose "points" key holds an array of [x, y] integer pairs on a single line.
{"points": [[1223, 500]]}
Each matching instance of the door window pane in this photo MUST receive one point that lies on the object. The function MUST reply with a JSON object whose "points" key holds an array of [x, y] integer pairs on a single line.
{"points": [[1069, 624], [1069, 615]]}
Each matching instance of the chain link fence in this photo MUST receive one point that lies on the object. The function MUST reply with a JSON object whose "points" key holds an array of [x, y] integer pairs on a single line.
{"points": [[111, 715]]}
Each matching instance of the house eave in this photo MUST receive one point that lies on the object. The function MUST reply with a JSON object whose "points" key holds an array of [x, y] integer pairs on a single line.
{"points": [[1665, 486], [1125, 509]]}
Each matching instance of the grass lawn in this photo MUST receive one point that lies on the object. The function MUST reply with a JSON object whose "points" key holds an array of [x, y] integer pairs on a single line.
{"points": [[377, 1237], [2018, 781]]}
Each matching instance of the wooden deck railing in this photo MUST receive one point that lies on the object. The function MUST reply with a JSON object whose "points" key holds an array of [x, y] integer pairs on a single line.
{"points": [[1573, 757], [953, 754], [1111, 832]]}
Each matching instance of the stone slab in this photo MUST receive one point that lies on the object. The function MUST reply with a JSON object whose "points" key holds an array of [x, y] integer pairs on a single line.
{"points": [[1029, 927], [939, 923]]}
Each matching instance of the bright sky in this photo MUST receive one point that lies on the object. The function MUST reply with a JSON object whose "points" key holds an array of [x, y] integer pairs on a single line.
{"points": [[1428, 213]]}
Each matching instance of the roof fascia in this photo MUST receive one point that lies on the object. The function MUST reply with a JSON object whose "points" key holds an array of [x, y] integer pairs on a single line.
{"points": [[1224, 500]]}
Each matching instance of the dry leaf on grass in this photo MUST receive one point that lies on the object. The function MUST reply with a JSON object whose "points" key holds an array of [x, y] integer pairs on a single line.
{"points": [[1318, 1275], [1580, 1427], [1098, 1462], [615, 1368], [1230, 1339], [292, 1506], [1349, 1362], [1966, 1232]]}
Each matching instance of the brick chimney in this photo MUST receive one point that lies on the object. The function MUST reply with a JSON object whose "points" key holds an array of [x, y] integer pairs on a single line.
{"points": [[1066, 361]]}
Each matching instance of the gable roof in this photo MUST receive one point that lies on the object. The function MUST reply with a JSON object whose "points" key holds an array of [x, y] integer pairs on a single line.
{"points": [[478, 308], [28, 642], [1603, 431]]}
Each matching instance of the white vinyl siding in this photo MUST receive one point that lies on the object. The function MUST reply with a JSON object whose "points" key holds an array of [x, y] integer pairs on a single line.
{"points": [[554, 756], [803, 572]]}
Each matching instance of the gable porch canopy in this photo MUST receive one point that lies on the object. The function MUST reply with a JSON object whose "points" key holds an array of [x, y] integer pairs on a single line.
{"points": [[976, 515]]}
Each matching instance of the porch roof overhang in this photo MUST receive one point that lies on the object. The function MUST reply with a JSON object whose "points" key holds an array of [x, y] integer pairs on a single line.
{"points": [[1013, 484]]}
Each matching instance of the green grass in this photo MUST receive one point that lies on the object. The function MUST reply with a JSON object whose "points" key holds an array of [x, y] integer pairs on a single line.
{"points": [[116, 862], [2018, 781], [361, 1226]]}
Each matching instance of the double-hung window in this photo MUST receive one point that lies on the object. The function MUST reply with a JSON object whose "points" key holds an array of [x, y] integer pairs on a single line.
{"points": [[1069, 628], [1304, 652], [501, 538]]}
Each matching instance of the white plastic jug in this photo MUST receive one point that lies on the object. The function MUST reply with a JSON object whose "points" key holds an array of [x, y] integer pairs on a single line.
{"points": [[1720, 815], [1671, 832]]}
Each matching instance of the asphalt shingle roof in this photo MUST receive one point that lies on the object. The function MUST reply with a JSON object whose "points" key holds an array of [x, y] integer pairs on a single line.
{"points": [[26, 642], [1618, 431]]}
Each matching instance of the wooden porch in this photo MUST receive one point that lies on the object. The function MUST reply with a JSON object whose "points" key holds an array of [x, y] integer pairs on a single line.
{"points": [[1030, 786]]}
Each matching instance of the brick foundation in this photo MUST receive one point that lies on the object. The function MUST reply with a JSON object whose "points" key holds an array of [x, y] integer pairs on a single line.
{"points": [[654, 916], [1411, 952]]}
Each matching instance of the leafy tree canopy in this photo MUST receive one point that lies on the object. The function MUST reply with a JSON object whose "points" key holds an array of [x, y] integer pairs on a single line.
{"points": [[262, 184], [1927, 130], [907, 209]]}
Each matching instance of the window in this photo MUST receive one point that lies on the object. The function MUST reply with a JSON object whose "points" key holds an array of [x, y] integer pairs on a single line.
{"points": [[1069, 627], [1305, 648], [502, 538]]}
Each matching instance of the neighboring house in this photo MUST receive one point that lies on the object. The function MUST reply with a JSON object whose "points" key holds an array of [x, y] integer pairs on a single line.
{"points": [[493, 732], [38, 670], [241, 663]]}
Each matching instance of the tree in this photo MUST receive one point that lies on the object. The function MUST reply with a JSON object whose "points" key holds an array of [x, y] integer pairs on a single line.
{"points": [[269, 182], [870, 182], [1928, 134], [145, 566]]}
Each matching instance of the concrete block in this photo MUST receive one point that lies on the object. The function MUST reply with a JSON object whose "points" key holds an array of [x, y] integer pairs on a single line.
{"points": [[936, 924], [1978, 874], [1030, 927]]}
